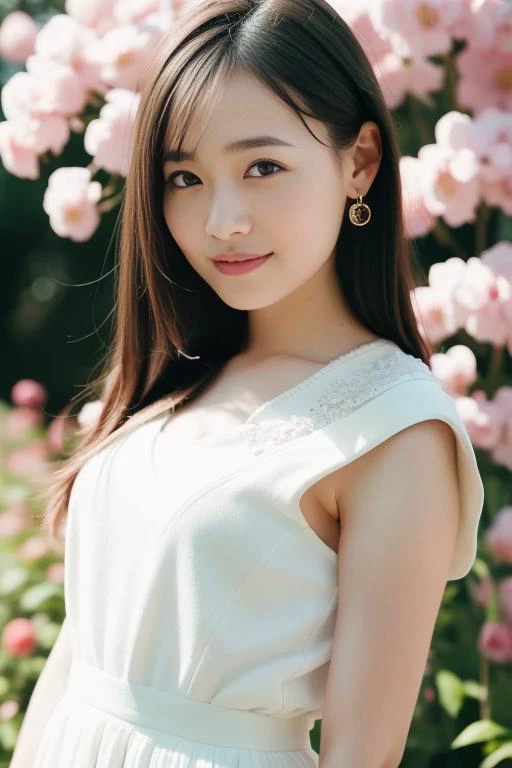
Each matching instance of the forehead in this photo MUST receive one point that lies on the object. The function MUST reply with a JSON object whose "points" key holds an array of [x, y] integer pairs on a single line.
{"points": [[239, 107]]}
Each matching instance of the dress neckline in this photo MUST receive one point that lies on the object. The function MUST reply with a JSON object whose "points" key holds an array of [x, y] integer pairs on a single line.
{"points": [[352, 353]]}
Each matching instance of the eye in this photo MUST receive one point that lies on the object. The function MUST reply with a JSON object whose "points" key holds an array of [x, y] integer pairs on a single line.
{"points": [[170, 179]]}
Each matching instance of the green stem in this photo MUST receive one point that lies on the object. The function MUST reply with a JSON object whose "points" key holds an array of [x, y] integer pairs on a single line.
{"points": [[107, 205], [496, 364], [482, 220], [422, 127], [444, 236]]}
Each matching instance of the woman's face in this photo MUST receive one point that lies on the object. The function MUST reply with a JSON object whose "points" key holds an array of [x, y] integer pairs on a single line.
{"points": [[287, 199]]}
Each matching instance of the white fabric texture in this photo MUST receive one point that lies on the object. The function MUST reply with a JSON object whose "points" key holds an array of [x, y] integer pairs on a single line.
{"points": [[192, 577]]}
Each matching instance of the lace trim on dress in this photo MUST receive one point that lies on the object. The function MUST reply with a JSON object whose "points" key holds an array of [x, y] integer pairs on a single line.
{"points": [[338, 399]]}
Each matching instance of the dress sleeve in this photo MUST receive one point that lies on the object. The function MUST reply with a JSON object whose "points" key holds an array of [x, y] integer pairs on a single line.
{"points": [[366, 425]]}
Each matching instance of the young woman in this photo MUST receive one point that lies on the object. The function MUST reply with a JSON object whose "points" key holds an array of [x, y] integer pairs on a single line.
{"points": [[261, 525]]}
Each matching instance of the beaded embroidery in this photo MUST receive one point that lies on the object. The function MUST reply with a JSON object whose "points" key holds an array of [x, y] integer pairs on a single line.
{"points": [[338, 399]]}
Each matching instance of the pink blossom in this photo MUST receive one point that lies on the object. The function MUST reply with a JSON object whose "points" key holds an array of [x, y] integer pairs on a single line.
{"points": [[505, 597], [498, 536], [30, 461], [485, 23], [62, 89], [64, 40], [502, 452], [417, 27], [89, 414], [109, 138], [33, 548], [30, 393], [375, 44], [429, 694], [19, 637], [22, 96], [15, 520], [493, 137], [16, 158], [97, 14], [456, 369], [482, 591], [450, 183], [434, 311], [482, 418], [417, 76], [17, 36], [55, 573], [20, 420], [124, 52], [495, 641], [134, 11], [484, 86], [8, 709], [70, 201], [417, 220], [485, 298], [57, 433], [498, 258]]}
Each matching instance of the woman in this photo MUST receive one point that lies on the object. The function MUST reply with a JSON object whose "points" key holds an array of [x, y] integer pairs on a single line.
{"points": [[261, 524]]}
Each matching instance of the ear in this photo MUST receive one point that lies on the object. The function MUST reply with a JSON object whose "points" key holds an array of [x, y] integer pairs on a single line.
{"points": [[362, 160]]}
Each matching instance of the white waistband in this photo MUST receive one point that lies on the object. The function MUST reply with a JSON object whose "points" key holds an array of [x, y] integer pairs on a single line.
{"points": [[185, 717]]}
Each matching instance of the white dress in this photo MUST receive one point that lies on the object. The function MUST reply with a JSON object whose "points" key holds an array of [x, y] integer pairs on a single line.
{"points": [[201, 604]]}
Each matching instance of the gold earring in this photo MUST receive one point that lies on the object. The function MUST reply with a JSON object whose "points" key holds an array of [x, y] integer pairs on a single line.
{"points": [[360, 213]]}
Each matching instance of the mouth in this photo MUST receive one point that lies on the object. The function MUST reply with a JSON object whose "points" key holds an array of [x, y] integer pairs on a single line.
{"points": [[238, 257]]}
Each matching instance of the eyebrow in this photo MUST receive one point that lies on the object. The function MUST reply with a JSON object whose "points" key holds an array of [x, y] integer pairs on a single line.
{"points": [[177, 156]]}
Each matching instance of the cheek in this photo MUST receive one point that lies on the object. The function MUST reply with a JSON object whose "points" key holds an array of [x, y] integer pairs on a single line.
{"points": [[180, 223]]}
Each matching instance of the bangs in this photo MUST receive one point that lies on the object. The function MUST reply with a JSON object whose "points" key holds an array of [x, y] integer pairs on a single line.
{"points": [[194, 95]]}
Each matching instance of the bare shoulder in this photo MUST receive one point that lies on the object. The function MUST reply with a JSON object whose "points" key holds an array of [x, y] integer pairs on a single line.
{"points": [[428, 445]]}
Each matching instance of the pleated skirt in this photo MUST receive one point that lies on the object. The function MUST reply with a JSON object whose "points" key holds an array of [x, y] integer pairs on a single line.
{"points": [[105, 722]]}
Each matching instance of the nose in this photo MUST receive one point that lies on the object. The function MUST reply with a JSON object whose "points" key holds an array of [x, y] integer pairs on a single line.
{"points": [[227, 216]]}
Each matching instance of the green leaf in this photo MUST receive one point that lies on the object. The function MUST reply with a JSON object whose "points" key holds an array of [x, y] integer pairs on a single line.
{"points": [[480, 730], [450, 692], [12, 578], [502, 753], [474, 690], [36, 596]]}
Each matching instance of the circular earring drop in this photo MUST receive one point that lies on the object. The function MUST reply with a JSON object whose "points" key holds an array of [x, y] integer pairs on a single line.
{"points": [[360, 213]]}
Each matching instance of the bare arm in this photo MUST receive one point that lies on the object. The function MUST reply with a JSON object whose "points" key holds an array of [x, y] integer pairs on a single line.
{"points": [[400, 516], [47, 693]]}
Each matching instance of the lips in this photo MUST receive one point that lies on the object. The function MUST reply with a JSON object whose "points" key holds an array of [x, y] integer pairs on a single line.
{"points": [[236, 257]]}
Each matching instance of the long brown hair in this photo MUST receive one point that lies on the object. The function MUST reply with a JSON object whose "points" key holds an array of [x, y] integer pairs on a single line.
{"points": [[172, 333]]}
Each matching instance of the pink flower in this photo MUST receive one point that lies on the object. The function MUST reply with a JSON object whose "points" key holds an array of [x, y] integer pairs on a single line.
{"points": [[30, 461], [498, 259], [19, 637], [20, 420], [33, 548], [456, 369], [62, 89], [15, 520], [55, 573], [498, 536], [64, 40], [29, 393], [417, 27], [482, 591], [505, 597], [57, 433], [434, 311], [70, 201], [89, 414], [486, 299], [109, 138], [450, 182], [17, 37], [97, 14], [16, 158], [135, 11], [482, 418], [8, 709], [485, 23], [124, 52], [495, 642], [484, 86], [417, 220]]}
